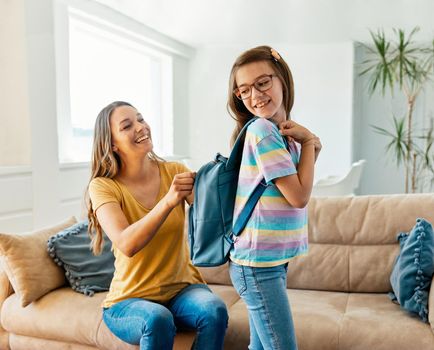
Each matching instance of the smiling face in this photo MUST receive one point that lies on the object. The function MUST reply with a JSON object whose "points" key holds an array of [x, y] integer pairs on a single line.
{"points": [[130, 133], [266, 104]]}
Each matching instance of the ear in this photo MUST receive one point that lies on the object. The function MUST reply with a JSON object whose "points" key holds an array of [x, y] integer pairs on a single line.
{"points": [[115, 149]]}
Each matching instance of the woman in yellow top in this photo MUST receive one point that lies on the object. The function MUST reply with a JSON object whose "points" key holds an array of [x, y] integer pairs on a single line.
{"points": [[138, 199]]}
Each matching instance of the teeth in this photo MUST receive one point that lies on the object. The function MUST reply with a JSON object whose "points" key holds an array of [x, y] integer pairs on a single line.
{"points": [[143, 138], [261, 104]]}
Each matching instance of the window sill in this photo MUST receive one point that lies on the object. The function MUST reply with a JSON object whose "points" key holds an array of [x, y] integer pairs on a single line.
{"points": [[84, 165]]}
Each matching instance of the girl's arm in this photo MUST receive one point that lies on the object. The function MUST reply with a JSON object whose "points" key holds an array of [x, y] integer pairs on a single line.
{"points": [[297, 188], [130, 239]]}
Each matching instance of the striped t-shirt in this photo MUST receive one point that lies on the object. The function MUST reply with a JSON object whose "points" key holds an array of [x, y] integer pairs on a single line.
{"points": [[276, 231]]}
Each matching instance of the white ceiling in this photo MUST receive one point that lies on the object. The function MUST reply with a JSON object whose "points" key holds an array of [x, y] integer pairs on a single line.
{"points": [[234, 22]]}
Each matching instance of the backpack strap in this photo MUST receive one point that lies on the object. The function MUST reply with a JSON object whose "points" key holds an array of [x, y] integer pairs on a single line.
{"points": [[248, 208], [234, 159]]}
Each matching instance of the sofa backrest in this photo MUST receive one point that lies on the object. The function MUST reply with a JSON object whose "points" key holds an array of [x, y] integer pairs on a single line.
{"points": [[352, 241]]}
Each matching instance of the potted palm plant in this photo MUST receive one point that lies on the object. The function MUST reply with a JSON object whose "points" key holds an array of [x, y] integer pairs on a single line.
{"points": [[405, 65]]}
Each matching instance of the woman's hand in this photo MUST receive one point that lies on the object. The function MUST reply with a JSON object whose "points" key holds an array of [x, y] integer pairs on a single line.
{"points": [[181, 187]]}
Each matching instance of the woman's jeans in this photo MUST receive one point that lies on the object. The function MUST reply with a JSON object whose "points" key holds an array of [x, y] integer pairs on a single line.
{"points": [[263, 289], [153, 326]]}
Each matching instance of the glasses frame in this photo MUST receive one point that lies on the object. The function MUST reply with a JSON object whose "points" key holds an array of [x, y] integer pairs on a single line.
{"points": [[236, 91]]}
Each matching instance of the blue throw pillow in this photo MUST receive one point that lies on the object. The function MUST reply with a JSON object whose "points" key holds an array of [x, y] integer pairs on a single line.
{"points": [[85, 272], [414, 268]]}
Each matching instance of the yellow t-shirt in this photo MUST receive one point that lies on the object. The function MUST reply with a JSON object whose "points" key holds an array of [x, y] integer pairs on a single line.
{"points": [[163, 267]]}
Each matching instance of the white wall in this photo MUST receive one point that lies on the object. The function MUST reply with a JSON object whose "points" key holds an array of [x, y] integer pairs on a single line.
{"points": [[181, 128], [323, 77], [14, 113]]}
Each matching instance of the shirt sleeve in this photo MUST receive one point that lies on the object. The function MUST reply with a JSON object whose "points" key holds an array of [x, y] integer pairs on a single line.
{"points": [[181, 168], [102, 191], [174, 168], [272, 157]]}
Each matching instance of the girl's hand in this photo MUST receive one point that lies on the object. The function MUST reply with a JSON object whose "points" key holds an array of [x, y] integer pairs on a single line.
{"points": [[181, 187], [318, 146], [295, 132]]}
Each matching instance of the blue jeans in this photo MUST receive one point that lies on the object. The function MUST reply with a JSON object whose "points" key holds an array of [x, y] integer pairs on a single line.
{"points": [[263, 289], [153, 326]]}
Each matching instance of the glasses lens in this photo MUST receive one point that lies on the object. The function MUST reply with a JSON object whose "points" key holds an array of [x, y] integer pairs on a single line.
{"points": [[264, 83], [242, 92]]}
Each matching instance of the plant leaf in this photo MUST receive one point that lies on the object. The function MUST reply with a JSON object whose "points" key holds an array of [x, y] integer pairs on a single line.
{"points": [[397, 145]]}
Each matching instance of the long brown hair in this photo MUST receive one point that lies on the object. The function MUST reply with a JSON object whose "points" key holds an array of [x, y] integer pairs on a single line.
{"points": [[104, 163], [236, 107]]}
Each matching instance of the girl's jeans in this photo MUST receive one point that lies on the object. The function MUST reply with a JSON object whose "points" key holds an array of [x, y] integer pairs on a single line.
{"points": [[263, 289], [153, 326]]}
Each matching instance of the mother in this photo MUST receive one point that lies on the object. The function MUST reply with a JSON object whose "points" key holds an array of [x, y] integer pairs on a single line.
{"points": [[138, 199]]}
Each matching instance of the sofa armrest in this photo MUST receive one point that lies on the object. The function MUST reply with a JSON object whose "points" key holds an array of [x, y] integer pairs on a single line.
{"points": [[431, 305], [5, 291], [5, 286]]}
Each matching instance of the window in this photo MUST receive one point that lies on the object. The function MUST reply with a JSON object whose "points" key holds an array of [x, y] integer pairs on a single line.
{"points": [[107, 65]]}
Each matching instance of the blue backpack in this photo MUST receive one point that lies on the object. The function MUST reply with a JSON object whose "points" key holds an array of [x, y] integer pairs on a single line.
{"points": [[210, 230]]}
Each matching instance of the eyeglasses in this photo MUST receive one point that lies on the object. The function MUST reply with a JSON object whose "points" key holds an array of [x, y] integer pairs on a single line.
{"points": [[262, 84]]}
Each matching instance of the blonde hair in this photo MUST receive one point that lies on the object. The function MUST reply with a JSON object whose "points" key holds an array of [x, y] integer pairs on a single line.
{"points": [[236, 107], [104, 163]]}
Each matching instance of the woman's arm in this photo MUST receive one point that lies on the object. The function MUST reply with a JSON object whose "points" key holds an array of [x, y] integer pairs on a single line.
{"points": [[190, 198], [130, 239]]}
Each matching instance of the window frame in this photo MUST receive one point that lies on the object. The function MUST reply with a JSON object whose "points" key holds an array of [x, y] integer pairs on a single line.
{"points": [[157, 44]]}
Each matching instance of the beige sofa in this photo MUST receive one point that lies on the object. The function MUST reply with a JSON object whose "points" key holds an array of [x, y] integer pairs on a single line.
{"points": [[338, 293]]}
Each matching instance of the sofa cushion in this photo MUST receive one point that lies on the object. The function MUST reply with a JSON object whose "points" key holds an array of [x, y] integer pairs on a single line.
{"points": [[366, 220], [25, 260], [309, 308], [371, 321], [335, 320], [62, 315], [21, 342], [216, 274], [313, 271], [86, 273], [414, 269], [318, 318]]}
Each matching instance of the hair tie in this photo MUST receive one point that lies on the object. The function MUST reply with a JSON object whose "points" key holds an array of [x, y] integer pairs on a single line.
{"points": [[275, 54]]}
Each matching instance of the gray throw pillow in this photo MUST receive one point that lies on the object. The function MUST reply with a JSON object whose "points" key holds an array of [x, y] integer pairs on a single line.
{"points": [[85, 272]]}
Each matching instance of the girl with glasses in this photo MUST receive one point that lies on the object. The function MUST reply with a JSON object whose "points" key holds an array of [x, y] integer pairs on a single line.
{"points": [[138, 200], [261, 85]]}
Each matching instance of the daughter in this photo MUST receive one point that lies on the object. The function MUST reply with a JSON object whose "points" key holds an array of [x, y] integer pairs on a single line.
{"points": [[261, 84]]}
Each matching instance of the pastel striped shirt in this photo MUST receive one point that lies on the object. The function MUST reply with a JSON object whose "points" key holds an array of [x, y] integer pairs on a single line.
{"points": [[276, 231]]}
